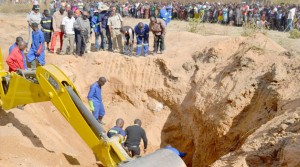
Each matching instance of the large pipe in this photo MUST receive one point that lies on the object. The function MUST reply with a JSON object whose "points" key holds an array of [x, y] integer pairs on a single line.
{"points": [[94, 124], [159, 158]]}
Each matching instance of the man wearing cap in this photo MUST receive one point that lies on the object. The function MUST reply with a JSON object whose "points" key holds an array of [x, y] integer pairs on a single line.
{"points": [[104, 14], [33, 17], [69, 34], [57, 28], [115, 22], [82, 24], [96, 27], [37, 49]]}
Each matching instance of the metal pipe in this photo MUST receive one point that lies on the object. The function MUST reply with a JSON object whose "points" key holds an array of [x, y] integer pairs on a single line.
{"points": [[159, 158], [94, 124]]}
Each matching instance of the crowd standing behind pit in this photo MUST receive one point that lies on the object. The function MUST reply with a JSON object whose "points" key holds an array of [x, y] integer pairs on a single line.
{"points": [[74, 22]]}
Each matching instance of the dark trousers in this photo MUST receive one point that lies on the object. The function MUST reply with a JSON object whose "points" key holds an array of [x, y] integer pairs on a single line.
{"points": [[159, 42], [81, 43], [134, 151]]}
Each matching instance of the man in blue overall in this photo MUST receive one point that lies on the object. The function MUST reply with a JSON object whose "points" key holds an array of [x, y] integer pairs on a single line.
{"points": [[170, 12], [96, 27], [142, 36], [37, 50], [95, 100], [163, 13]]}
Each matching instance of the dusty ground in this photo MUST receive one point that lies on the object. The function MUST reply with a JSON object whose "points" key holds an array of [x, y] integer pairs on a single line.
{"points": [[225, 99]]}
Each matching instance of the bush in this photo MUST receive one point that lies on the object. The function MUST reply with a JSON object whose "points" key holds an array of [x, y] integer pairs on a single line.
{"points": [[193, 24], [251, 28], [294, 34]]}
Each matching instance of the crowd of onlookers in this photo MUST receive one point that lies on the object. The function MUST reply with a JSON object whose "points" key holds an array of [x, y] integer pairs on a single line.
{"points": [[74, 22], [282, 17]]}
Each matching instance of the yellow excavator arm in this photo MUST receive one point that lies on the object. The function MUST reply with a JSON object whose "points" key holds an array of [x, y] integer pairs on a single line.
{"points": [[49, 83]]}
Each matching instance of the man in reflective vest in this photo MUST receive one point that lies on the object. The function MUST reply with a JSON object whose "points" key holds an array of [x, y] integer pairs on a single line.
{"points": [[142, 35]]}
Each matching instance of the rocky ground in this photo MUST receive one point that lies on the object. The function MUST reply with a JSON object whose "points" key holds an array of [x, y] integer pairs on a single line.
{"points": [[225, 99]]}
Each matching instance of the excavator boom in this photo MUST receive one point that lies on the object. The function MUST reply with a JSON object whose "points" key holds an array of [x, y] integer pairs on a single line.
{"points": [[49, 83]]}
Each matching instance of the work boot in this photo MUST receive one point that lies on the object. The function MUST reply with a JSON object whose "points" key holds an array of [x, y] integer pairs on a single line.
{"points": [[101, 122]]}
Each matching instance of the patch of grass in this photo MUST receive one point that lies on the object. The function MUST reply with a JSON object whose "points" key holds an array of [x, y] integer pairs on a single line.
{"points": [[294, 34], [193, 25], [250, 29], [18, 8]]}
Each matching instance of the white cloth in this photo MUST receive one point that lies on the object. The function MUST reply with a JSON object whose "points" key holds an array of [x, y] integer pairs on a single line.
{"points": [[292, 13], [69, 24], [33, 17]]}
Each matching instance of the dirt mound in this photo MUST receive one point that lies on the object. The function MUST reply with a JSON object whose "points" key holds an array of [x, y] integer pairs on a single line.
{"points": [[223, 100]]}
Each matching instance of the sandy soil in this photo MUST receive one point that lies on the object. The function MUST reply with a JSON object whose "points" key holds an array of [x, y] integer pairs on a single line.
{"points": [[204, 82]]}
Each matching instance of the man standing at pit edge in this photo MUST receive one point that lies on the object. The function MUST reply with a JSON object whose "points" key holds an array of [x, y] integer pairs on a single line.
{"points": [[95, 100], [158, 28]]}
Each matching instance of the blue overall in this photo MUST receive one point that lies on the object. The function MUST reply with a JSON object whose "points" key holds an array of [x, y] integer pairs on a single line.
{"points": [[95, 95], [37, 40], [169, 10], [142, 38], [96, 26], [163, 14], [181, 154]]}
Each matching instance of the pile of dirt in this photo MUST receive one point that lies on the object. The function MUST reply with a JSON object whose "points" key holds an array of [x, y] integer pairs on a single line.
{"points": [[223, 100]]}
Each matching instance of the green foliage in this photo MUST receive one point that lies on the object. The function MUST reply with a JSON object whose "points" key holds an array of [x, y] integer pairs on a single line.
{"points": [[250, 29], [294, 34], [193, 25]]}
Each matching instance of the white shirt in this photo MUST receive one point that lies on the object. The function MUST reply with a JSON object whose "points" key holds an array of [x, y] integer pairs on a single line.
{"points": [[69, 24]]}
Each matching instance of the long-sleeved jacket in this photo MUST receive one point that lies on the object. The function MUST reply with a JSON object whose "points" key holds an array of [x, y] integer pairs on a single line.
{"points": [[82, 25], [95, 93], [15, 60], [163, 14], [33, 17], [46, 24], [96, 24], [38, 45], [134, 135], [142, 33], [103, 18], [57, 20], [12, 47], [158, 28]]}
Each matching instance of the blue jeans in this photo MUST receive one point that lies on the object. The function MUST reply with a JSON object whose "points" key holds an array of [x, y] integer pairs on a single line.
{"points": [[106, 42], [97, 35], [290, 25]]}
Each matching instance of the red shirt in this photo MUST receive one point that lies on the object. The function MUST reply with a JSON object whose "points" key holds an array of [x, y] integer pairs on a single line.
{"points": [[15, 60]]}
